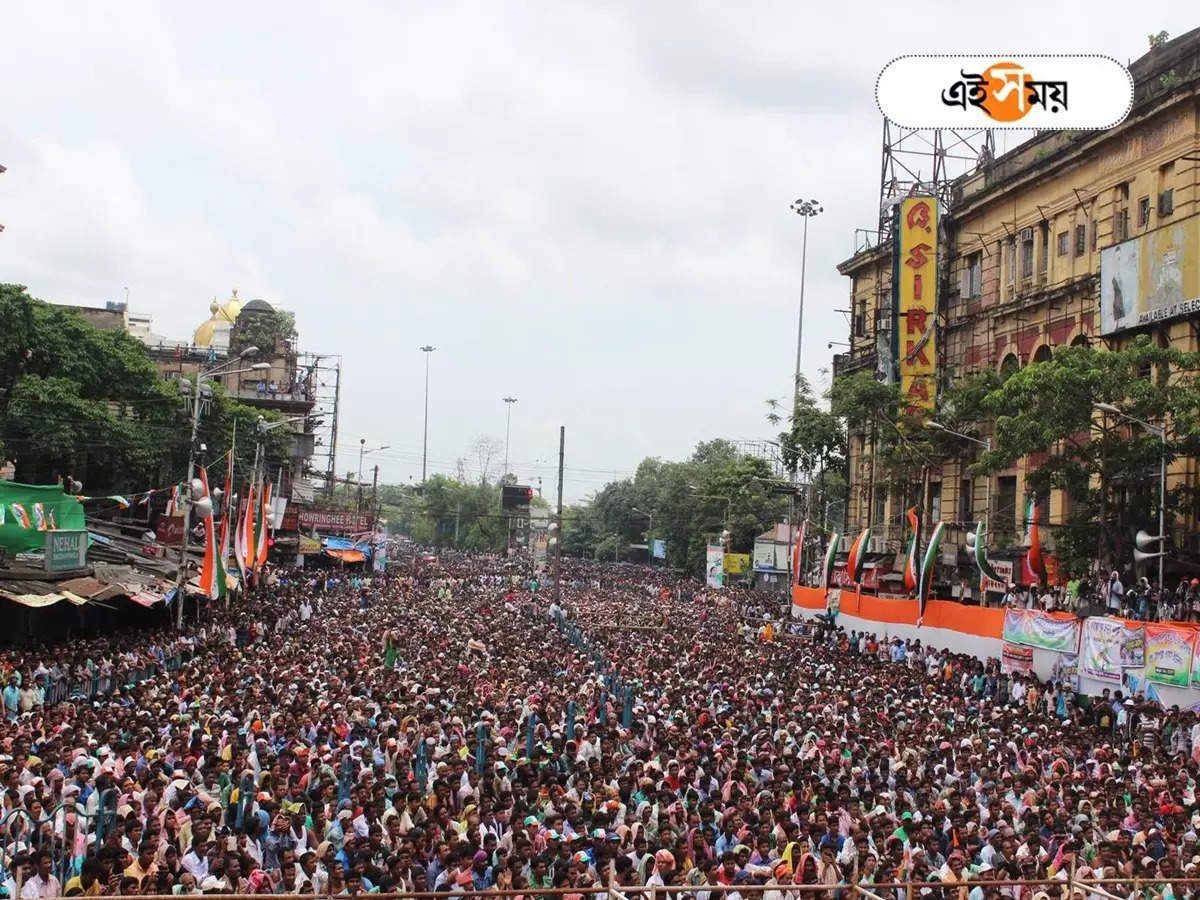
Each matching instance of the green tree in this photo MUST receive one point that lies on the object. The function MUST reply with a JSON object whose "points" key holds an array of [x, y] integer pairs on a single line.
{"points": [[269, 331]]}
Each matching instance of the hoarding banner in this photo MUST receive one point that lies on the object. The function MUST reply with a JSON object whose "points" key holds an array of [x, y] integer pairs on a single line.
{"points": [[333, 520], [737, 563], [658, 548], [1066, 670], [1016, 659], [1038, 629], [1003, 568], [714, 564], [1151, 278], [1133, 646], [915, 301], [1169, 652], [1101, 654]]}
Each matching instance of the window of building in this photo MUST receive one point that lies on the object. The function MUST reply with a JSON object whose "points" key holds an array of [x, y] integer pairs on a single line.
{"points": [[1064, 243], [1120, 225], [1143, 212], [880, 507], [972, 276], [964, 500], [1010, 260], [1009, 366], [1026, 252], [1042, 354], [1006, 504], [1044, 259], [1095, 233], [1166, 202], [935, 500], [1080, 240]]}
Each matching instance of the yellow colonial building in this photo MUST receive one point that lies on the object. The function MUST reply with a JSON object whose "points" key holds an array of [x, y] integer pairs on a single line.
{"points": [[1071, 238]]}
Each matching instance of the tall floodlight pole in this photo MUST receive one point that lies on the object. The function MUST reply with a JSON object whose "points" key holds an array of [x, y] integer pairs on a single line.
{"points": [[508, 403], [427, 349], [806, 209]]}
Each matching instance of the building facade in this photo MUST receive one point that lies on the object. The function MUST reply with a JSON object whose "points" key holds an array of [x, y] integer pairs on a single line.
{"points": [[1039, 249]]}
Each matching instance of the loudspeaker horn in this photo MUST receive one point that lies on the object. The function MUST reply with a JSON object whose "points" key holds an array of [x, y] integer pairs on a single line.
{"points": [[1144, 541], [1140, 557]]}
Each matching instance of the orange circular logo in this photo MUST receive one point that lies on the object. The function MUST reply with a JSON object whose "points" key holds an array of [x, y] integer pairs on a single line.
{"points": [[1008, 87]]}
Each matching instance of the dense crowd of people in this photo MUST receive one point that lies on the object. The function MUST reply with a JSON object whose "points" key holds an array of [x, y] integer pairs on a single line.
{"points": [[446, 729]]}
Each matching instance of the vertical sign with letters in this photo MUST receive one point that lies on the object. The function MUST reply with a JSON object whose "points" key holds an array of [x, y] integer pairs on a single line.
{"points": [[914, 291]]}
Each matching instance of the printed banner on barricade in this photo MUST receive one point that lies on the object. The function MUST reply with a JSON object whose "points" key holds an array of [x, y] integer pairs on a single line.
{"points": [[1169, 653], [1066, 670], [1101, 655], [1016, 659], [1133, 646], [1038, 629]]}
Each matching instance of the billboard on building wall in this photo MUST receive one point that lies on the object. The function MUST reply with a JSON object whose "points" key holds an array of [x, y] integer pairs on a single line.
{"points": [[1151, 278], [914, 296]]}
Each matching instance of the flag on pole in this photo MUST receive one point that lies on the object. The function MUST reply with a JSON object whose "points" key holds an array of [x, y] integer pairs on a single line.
{"points": [[912, 564], [927, 564], [981, 560], [208, 571], [50, 520], [20, 515], [223, 548], [241, 539], [120, 501], [858, 556], [798, 554], [39, 516], [1035, 567], [830, 558], [264, 519]]}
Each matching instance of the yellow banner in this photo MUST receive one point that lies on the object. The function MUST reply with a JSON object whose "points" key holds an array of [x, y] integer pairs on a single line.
{"points": [[916, 236], [737, 563]]}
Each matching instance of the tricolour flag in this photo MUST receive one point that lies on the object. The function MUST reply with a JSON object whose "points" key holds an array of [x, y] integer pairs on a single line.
{"points": [[20, 515], [912, 564], [208, 571], [39, 516], [260, 538], [223, 547], [927, 564], [798, 553], [858, 556], [1035, 567]]}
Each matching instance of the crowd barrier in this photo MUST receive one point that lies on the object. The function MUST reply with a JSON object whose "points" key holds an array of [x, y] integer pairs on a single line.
{"points": [[66, 688], [1034, 639]]}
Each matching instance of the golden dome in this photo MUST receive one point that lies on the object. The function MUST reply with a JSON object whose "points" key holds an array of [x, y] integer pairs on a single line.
{"points": [[221, 312]]}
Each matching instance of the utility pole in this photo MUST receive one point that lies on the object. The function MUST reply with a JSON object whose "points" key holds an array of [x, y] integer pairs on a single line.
{"points": [[562, 440], [427, 349], [508, 402], [375, 497], [457, 513], [181, 583]]}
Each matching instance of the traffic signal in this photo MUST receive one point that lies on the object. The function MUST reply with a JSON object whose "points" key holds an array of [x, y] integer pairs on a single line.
{"points": [[515, 496]]}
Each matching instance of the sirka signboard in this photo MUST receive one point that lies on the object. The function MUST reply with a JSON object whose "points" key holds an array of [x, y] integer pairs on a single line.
{"points": [[332, 520]]}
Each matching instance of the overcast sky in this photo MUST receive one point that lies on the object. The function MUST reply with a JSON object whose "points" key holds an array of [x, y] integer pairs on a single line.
{"points": [[581, 205]]}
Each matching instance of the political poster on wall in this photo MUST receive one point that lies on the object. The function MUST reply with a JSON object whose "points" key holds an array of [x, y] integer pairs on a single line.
{"points": [[1015, 659], [1133, 646], [1169, 652], [1101, 654], [1066, 671], [1038, 629]]}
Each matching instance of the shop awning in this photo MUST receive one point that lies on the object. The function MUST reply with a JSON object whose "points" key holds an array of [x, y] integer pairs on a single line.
{"points": [[347, 556]]}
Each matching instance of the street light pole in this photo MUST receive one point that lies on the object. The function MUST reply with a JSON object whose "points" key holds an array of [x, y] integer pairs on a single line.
{"points": [[1160, 431], [427, 349], [508, 403], [362, 450], [806, 209], [986, 444]]}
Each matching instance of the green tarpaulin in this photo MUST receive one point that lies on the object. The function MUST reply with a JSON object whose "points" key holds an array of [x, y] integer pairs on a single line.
{"points": [[42, 506]]}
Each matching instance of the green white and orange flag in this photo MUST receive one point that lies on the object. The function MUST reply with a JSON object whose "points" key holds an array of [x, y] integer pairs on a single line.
{"points": [[858, 556], [1035, 566], [208, 571], [830, 559], [912, 564], [223, 547], [927, 564], [262, 526]]}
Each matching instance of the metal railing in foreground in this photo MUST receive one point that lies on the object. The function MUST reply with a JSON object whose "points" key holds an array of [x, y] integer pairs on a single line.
{"points": [[1055, 888]]}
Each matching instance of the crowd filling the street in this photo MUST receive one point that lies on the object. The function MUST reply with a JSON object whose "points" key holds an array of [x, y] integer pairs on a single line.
{"points": [[459, 727]]}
